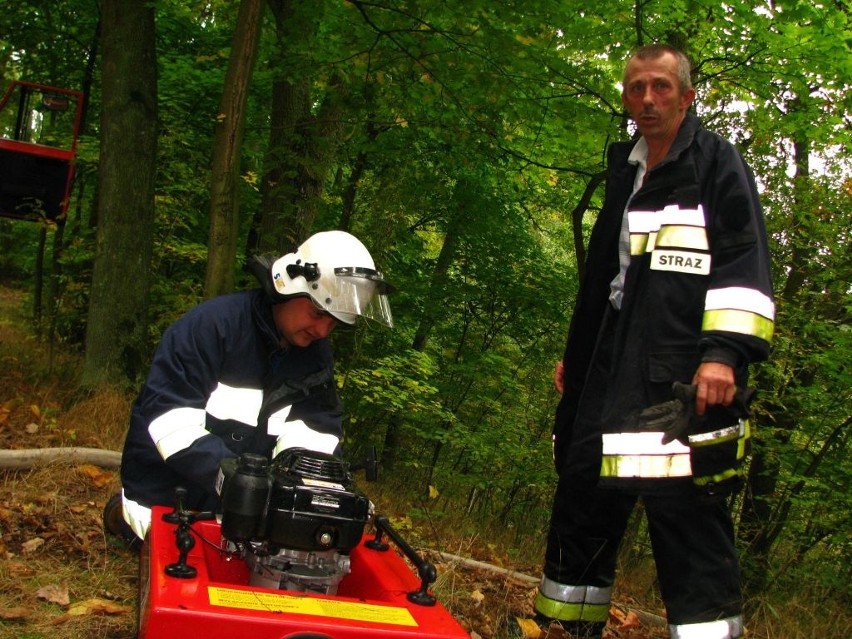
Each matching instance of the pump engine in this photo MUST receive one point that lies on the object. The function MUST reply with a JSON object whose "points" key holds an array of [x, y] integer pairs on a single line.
{"points": [[293, 520]]}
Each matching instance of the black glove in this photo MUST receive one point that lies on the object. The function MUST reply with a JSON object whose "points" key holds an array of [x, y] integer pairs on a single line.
{"points": [[676, 418], [673, 417]]}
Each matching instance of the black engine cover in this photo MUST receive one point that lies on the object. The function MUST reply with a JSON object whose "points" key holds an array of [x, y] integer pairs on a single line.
{"points": [[313, 504]]}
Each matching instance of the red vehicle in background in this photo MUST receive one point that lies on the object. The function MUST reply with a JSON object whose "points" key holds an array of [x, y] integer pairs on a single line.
{"points": [[38, 145]]}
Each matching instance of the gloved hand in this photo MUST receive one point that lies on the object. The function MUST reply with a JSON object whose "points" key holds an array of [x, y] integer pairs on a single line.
{"points": [[672, 417], [676, 418]]}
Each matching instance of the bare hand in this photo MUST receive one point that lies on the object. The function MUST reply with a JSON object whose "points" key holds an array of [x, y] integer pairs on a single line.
{"points": [[558, 376], [715, 384]]}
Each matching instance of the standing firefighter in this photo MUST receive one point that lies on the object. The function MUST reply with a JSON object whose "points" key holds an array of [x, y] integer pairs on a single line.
{"points": [[676, 294], [248, 372]]}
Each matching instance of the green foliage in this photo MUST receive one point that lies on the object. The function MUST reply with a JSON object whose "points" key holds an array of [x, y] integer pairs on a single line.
{"points": [[467, 135], [395, 385]]}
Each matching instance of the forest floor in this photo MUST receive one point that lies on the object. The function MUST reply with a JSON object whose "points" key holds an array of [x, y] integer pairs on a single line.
{"points": [[62, 577]]}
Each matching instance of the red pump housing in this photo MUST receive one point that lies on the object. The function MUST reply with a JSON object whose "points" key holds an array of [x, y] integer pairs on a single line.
{"points": [[213, 599]]}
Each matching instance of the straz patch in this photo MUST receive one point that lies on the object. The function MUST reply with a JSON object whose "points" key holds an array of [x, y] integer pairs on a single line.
{"points": [[681, 262]]}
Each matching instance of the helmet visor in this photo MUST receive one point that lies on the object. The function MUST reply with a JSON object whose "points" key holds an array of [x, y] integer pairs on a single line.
{"points": [[356, 291]]}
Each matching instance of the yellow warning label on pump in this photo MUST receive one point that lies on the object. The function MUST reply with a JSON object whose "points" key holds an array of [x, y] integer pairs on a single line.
{"points": [[275, 602]]}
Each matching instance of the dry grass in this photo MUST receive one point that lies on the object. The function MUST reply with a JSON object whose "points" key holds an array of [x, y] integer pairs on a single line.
{"points": [[51, 536]]}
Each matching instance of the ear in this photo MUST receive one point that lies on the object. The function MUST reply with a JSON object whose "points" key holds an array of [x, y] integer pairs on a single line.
{"points": [[687, 98]]}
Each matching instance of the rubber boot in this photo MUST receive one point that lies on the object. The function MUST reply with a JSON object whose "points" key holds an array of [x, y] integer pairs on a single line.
{"points": [[541, 627]]}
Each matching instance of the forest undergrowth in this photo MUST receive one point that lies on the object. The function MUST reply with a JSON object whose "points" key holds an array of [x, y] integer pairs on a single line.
{"points": [[62, 577]]}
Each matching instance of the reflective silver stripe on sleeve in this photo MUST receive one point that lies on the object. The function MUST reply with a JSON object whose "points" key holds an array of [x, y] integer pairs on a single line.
{"points": [[239, 404], [277, 422], [730, 628], [739, 298], [177, 429], [297, 434]]}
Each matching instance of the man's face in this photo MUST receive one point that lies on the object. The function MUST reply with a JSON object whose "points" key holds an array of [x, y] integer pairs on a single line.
{"points": [[300, 322], [653, 97]]}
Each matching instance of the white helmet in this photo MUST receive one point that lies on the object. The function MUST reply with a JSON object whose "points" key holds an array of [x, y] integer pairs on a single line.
{"points": [[336, 271]]}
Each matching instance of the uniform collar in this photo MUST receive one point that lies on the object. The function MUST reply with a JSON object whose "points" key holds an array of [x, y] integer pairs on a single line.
{"points": [[639, 153], [262, 312], [685, 135]]}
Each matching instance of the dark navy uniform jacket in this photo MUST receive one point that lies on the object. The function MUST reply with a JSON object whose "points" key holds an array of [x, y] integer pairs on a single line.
{"points": [[698, 288], [220, 385]]}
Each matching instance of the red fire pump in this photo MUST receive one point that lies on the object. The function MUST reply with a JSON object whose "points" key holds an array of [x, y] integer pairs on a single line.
{"points": [[288, 558], [38, 144]]}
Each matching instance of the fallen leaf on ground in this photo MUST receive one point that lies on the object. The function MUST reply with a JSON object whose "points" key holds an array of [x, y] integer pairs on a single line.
{"points": [[20, 569], [54, 593], [94, 606], [99, 477], [14, 614], [32, 545]]}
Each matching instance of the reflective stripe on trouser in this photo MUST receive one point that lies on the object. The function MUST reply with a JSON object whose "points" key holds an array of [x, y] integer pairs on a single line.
{"points": [[572, 603], [730, 628], [137, 516]]}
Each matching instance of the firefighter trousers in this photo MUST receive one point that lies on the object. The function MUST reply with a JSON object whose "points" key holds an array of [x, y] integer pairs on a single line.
{"points": [[692, 540]]}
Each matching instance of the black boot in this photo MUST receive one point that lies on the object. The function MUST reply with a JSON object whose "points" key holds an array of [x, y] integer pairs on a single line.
{"points": [[541, 627]]}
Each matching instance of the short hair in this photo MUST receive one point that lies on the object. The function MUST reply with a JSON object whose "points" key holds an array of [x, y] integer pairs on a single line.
{"points": [[654, 51]]}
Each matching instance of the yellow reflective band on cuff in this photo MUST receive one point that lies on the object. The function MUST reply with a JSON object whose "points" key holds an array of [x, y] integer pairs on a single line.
{"points": [[571, 611], [686, 237], [734, 321]]}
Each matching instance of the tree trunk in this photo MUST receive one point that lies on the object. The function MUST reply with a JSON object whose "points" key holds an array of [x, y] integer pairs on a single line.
{"points": [[117, 326], [230, 123], [302, 145], [272, 228]]}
